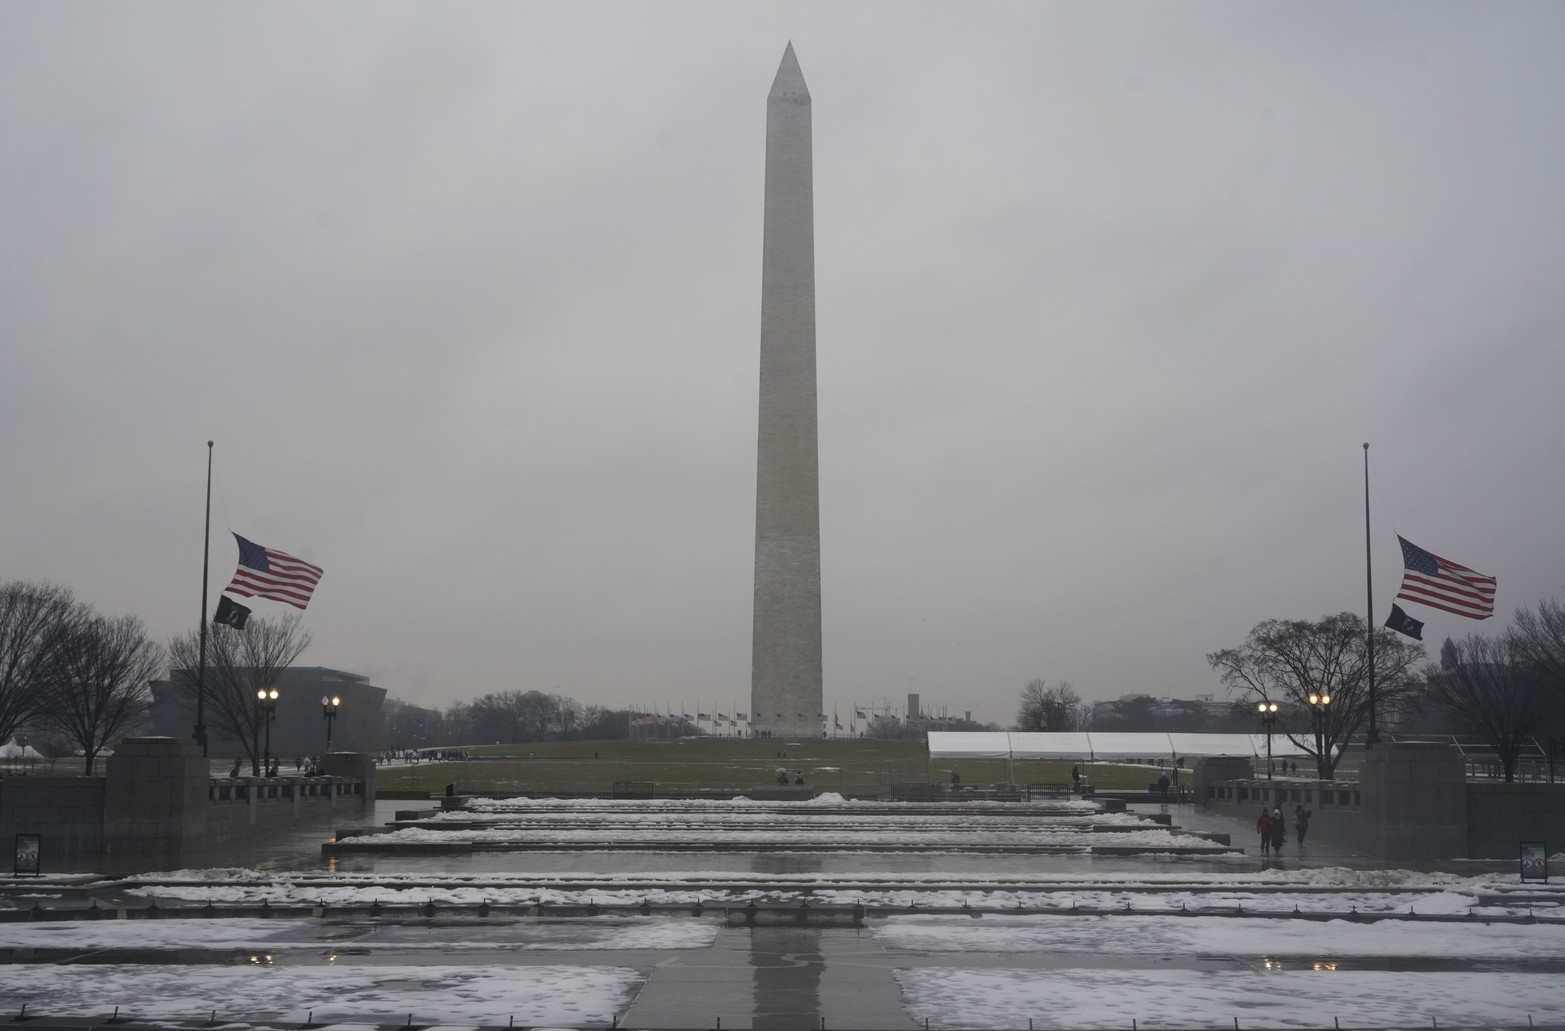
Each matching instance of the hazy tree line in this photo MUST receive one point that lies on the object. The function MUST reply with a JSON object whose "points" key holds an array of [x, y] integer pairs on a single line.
{"points": [[1506, 688], [504, 717], [69, 673], [1057, 707]]}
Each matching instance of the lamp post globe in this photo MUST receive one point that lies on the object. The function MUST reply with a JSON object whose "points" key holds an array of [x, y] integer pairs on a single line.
{"points": [[266, 701], [329, 706], [1268, 714]]}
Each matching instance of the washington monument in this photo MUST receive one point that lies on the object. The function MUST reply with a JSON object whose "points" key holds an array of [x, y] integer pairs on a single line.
{"points": [[785, 664]]}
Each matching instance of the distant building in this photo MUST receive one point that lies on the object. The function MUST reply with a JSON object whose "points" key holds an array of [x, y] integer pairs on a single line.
{"points": [[299, 727]]}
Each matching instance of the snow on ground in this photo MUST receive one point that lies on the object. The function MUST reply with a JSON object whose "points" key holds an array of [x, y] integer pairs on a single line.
{"points": [[603, 932], [826, 799], [1107, 998], [1325, 877], [378, 994], [1208, 935], [1342, 891]]}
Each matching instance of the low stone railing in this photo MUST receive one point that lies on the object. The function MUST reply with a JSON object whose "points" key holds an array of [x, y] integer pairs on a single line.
{"points": [[240, 790]]}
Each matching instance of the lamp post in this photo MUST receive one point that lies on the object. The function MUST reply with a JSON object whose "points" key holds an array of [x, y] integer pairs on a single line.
{"points": [[1268, 711], [1318, 707], [266, 700], [329, 704]]}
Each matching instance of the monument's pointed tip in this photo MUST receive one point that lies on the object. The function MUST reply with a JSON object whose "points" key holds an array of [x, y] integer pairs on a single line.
{"points": [[790, 80]]}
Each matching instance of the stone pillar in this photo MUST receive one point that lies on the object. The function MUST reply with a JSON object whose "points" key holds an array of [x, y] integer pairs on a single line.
{"points": [[357, 765], [1216, 770], [1414, 801], [156, 796]]}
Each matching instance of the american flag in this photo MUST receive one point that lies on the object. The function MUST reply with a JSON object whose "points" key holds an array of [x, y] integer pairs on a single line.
{"points": [[265, 573], [1442, 584]]}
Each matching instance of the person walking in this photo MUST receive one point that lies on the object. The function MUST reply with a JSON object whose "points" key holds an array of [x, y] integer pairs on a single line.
{"points": [[1279, 830], [1264, 825], [1301, 822]]}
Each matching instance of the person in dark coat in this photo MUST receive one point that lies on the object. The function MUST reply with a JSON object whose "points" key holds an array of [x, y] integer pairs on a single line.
{"points": [[1279, 830], [1301, 822]]}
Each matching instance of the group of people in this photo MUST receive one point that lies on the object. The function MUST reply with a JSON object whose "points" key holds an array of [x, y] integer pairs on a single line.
{"points": [[782, 777], [307, 765], [1274, 828]]}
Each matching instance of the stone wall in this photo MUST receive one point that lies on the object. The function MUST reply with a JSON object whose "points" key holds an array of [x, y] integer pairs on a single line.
{"points": [[155, 796], [1500, 816], [158, 797], [67, 811], [1412, 802], [1415, 801]]}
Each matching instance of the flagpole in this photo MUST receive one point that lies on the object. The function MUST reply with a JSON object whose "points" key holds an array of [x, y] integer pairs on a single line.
{"points": [[206, 555], [1369, 619]]}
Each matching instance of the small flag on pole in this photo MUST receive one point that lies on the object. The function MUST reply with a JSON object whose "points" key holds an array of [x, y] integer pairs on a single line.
{"points": [[1442, 584], [265, 573], [1402, 623], [231, 613]]}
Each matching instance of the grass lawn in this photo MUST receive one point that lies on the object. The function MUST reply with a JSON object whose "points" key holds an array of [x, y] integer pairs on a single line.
{"points": [[846, 765]]}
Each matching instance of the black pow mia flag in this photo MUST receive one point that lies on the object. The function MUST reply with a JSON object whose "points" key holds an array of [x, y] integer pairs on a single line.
{"points": [[1402, 623], [231, 612]]}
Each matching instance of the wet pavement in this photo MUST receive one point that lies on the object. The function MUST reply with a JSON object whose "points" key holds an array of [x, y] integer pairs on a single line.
{"points": [[709, 971]]}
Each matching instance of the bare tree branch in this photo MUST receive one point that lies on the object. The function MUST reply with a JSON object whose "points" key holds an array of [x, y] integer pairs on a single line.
{"points": [[240, 664], [33, 620], [1049, 708], [1286, 661], [98, 688], [1496, 688]]}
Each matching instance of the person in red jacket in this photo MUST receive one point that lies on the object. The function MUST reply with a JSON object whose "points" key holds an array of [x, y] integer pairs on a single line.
{"points": [[1264, 825]]}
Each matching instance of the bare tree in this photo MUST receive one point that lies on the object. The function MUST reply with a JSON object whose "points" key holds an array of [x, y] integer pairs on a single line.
{"points": [[1049, 708], [1493, 686], [1540, 636], [240, 664], [99, 682], [1287, 661], [33, 620]]}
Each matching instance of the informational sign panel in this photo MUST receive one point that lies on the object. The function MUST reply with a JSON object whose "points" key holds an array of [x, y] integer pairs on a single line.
{"points": [[1535, 861], [29, 853]]}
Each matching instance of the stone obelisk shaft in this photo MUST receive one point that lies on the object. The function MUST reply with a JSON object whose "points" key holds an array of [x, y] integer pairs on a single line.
{"points": [[785, 669]]}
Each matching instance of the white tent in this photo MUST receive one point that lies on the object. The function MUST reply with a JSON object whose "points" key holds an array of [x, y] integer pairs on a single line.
{"points": [[1093, 746], [971, 744], [12, 750], [1038, 745], [1247, 745]]}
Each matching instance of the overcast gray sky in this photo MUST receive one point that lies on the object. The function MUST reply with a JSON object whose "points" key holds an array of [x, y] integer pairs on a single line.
{"points": [[1109, 296]]}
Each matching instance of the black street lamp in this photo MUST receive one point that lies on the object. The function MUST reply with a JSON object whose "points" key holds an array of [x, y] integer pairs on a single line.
{"points": [[329, 704], [1268, 711], [266, 700], [1318, 706]]}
